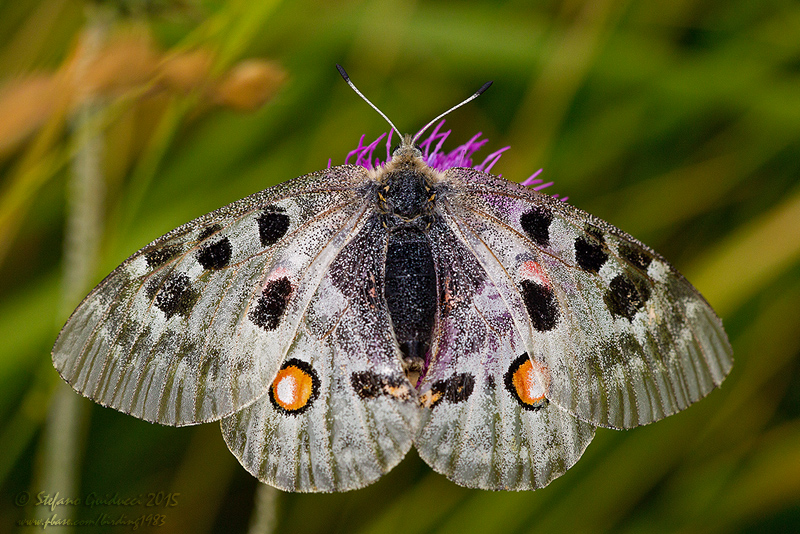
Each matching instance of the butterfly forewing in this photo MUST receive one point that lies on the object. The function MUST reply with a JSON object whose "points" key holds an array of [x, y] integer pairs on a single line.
{"points": [[626, 339], [361, 412], [190, 329]]}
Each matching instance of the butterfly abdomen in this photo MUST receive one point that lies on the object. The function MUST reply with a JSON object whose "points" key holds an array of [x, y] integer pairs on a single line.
{"points": [[410, 292], [405, 201]]}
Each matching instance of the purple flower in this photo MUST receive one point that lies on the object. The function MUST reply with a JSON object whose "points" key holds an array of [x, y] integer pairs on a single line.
{"points": [[433, 155]]}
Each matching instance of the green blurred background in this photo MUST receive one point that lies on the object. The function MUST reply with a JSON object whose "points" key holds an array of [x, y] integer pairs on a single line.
{"points": [[677, 121]]}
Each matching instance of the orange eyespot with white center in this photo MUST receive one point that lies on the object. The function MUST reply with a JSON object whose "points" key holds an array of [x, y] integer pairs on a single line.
{"points": [[526, 380], [530, 270], [295, 388]]}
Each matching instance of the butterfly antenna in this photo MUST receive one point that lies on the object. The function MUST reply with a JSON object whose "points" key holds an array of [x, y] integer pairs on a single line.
{"points": [[354, 88], [478, 93]]}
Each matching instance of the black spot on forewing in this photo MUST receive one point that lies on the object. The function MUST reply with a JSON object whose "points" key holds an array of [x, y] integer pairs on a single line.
{"points": [[271, 304], [594, 231], [541, 304], [151, 289], [455, 389], [215, 255], [638, 257], [175, 295], [370, 385], [590, 250], [160, 256], [410, 291], [625, 297], [536, 224], [208, 231], [271, 227]]}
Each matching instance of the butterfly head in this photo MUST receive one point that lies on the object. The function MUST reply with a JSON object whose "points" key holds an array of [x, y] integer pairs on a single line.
{"points": [[406, 185], [407, 148]]}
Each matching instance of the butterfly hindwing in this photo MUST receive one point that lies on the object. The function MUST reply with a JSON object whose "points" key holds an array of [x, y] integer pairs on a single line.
{"points": [[190, 328], [360, 413], [486, 423], [625, 338]]}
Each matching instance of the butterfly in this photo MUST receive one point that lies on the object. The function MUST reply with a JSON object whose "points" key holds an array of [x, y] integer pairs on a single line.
{"points": [[336, 320]]}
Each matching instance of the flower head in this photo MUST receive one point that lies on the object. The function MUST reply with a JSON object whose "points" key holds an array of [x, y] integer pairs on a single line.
{"points": [[435, 157]]}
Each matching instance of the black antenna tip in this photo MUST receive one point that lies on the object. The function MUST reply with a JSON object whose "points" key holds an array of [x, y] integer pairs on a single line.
{"points": [[480, 91], [346, 77]]}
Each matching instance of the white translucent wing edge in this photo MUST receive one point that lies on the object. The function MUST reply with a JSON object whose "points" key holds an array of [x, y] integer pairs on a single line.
{"points": [[348, 437], [150, 390], [661, 366], [544, 445], [703, 364], [485, 439]]}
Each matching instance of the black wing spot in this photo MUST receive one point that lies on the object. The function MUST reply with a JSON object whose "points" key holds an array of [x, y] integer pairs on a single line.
{"points": [[271, 304], [536, 224], [216, 255], [174, 296], [636, 256], [595, 232], [591, 251], [160, 256], [366, 384], [541, 304], [625, 297], [209, 231], [271, 227], [151, 289], [370, 385], [455, 389]]}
